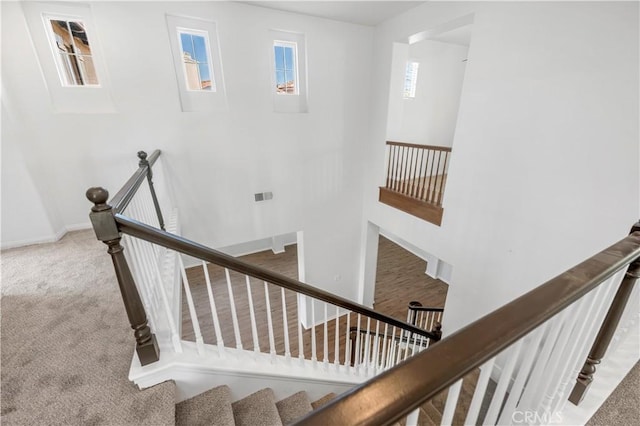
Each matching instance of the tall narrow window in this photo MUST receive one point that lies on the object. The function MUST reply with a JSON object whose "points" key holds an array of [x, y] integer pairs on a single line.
{"points": [[196, 60], [286, 67], [410, 80], [72, 52]]}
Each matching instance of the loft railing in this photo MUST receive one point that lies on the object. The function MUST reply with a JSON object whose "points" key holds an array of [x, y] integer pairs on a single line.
{"points": [[417, 171], [533, 347], [132, 221], [416, 179]]}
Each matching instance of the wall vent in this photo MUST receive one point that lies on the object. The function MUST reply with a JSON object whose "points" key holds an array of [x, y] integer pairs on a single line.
{"points": [[263, 196]]}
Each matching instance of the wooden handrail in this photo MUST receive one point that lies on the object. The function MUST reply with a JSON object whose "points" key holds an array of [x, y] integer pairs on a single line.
{"points": [[199, 251], [400, 390], [415, 145], [121, 200], [425, 308]]}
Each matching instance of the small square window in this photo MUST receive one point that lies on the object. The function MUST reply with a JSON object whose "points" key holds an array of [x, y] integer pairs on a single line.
{"points": [[286, 67], [196, 60], [72, 52], [410, 80]]}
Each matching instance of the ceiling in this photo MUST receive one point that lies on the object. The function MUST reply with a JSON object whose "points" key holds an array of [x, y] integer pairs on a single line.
{"points": [[461, 36], [356, 12]]}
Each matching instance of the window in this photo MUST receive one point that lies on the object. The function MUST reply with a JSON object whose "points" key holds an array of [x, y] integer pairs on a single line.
{"points": [[196, 60], [288, 72], [286, 68], [72, 52], [410, 80]]}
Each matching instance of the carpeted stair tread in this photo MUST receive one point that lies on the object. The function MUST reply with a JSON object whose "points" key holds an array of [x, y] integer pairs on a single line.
{"points": [[210, 407], [294, 407], [259, 408], [322, 401]]}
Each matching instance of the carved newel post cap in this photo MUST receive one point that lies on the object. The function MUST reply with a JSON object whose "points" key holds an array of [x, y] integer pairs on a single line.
{"points": [[142, 155], [415, 303], [99, 197]]}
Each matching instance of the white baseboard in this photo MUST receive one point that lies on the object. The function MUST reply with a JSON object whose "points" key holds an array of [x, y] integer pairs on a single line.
{"points": [[45, 239]]}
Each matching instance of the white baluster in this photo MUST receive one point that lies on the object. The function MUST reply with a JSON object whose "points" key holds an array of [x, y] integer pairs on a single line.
{"points": [[234, 315], [140, 279], [252, 315], [376, 342], [356, 362], [325, 359], [531, 350], [385, 342], [505, 378], [412, 418], [450, 405], [538, 373], [392, 349], [367, 346], [347, 342], [314, 357], [272, 344], [285, 326], [214, 311], [175, 336], [192, 309], [336, 346], [479, 392], [301, 300]]}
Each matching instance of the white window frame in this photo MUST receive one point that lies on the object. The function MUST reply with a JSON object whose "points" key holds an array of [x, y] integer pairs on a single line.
{"points": [[85, 99], [48, 18], [289, 102], [197, 100], [205, 35], [413, 80], [294, 46]]}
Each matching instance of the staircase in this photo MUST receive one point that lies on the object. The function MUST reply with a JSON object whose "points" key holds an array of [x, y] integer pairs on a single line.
{"points": [[215, 407]]}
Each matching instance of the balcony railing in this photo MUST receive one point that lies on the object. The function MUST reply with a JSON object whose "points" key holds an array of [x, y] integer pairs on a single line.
{"points": [[416, 179]]}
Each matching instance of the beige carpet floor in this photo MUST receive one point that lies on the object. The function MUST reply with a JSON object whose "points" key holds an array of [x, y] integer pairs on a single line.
{"points": [[623, 405], [66, 342]]}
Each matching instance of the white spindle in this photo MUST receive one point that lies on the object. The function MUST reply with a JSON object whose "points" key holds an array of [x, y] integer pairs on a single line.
{"points": [[392, 348], [399, 346], [347, 342], [301, 300], [285, 326], [252, 315], [450, 405], [479, 392], [538, 373], [214, 311], [314, 357], [336, 346], [141, 279], [376, 342], [192, 309], [234, 315], [412, 418], [325, 358], [531, 350], [385, 341], [175, 336], [356, 362], [272, 344], [367, 346], [505, 378]]}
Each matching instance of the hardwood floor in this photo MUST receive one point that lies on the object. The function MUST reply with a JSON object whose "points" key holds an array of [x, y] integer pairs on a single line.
{"points": [[400, 279]]}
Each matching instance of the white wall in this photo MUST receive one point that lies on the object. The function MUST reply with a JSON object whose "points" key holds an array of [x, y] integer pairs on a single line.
{"points": [[217, 160], [430, 117], [545, 170]]}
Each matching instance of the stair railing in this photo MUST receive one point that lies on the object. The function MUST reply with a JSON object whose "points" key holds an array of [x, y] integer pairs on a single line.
{"points": [[532, 347], [417, 171], [393, 348], [425, 317], [315, 324]]}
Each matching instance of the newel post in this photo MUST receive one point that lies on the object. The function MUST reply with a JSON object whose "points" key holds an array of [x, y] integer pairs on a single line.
{"points": [[607, 330], [106, 229], [144, 162]]}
